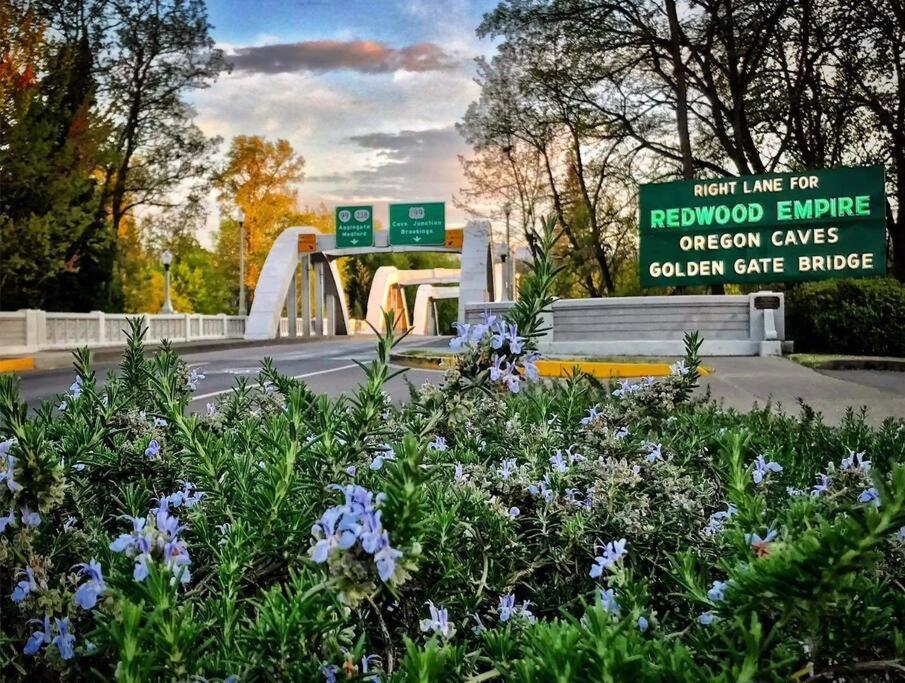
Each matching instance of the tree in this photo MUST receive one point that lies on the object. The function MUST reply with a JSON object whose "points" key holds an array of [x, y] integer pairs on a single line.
{"points": [[258, 177]]}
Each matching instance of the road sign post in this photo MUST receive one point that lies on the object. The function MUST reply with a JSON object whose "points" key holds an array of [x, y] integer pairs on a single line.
{"points": [[354, 226], [421, 224]]}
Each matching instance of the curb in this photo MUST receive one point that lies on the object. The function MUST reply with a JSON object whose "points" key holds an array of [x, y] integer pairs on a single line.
{"points": [[17, 364], [880, 364], [557, 368]]}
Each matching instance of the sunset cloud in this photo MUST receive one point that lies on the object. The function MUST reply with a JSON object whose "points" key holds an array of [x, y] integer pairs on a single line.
{"points": [[320, 56]]}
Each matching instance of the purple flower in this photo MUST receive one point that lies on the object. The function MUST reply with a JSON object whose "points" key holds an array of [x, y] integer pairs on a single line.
{"points": [[39, 638], [626, 388], [87, 594], [498, 370], [762, 468], [153, 449], [543, 489], [529, 364], [459, 475], [514, 512], [438, 621], [613, 552], [195, 377], [507, 606], [24, 587], [330, 670], [870, 496], [8, 520], [351, 470], [29, 518], [515, 342], [64, 640]]}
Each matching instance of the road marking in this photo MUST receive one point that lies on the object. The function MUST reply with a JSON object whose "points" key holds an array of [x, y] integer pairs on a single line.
{"points": [[201, 397]]}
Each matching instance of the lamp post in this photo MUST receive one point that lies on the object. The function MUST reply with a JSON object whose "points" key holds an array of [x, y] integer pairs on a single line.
{"points": [[167, 259], [507, 259], [240, 217]]}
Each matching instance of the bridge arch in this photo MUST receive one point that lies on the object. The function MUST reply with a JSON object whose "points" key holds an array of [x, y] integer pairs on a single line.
{"points": [[277, 285]]}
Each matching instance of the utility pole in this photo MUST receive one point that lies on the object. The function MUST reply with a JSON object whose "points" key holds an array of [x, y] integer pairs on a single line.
{"points": [[240, 216]]}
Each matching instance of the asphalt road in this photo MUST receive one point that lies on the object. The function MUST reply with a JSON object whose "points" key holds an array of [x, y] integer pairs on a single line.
{"points": [[325, 366]]}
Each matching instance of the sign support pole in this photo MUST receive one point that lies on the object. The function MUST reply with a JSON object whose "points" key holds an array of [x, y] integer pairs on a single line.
{"points": [[319, 299], [306, 295]]}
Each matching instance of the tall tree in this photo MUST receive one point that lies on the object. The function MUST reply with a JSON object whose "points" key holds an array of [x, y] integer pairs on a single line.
{"points": [[259, 176]]}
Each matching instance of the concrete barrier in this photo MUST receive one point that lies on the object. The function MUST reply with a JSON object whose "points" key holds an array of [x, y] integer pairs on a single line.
{"points": [[742, 325]]}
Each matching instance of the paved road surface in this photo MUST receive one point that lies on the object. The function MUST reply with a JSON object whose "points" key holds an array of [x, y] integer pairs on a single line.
{"points": [[328, 367]]}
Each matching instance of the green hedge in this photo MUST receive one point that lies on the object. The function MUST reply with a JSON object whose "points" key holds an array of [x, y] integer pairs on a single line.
{"points": [[864, 317]]}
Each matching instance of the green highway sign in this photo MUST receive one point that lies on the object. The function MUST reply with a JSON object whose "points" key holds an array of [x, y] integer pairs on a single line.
{"points": [[779, 227], [418, 224], [354, 226]]}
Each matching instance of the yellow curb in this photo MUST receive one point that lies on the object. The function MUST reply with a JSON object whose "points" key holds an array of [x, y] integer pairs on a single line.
{"points": [[17, 364], [561, 367]]}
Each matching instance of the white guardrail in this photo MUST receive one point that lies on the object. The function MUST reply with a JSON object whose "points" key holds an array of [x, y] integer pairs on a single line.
{"points": [[30, 331]]}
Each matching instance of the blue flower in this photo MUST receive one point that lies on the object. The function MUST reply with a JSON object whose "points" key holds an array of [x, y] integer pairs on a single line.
{"points": [[543, 489], [870, 496], [654, 452], [558, 462], [515, 342], [459, 475], [382, 456], [507, 606], [706, 618], [718, 520], [762, 468], [593, 414], [330, 670], [609, 602], [64, 640], [351, 470], [514, 512], [529, 365], [855, 462], [153, 449], [498, 370], [613, 552], [160, 422], [195, 377], [642, 624], [438, 621], [679, 368], [39, 638], [87, 594], [8, 475], [822, 487], [626, 388], [438, 444], [717, 591], [29, 518], [759, 544], [506, 469], [8, 520], [900, 534], [25, 586]]}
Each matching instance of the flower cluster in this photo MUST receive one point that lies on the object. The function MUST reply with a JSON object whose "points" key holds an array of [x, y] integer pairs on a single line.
{"points": [[8, 464], [508, 609], [438, 622], [194, 379], [156, 538], [355, 523], [64, 640], [718, 520], [762, 469], [499, 344], [75, 392], [87, 594]]}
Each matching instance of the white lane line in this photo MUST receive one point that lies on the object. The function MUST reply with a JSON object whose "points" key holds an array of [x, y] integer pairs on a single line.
{"points": [[201, 397]]}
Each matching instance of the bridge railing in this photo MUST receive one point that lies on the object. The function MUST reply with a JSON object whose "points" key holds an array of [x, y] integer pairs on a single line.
{"points": [[30, 331]]}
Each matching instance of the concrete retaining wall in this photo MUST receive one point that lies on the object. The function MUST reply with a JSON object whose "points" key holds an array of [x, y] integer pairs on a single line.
{"points": [[656, 325]]}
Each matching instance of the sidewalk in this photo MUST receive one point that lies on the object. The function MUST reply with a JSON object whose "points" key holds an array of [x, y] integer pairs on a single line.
{"points": [[742, 382]]}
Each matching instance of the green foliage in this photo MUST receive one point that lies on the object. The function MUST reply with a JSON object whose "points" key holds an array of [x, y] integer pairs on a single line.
{"points": [[865, 317], [487, 495]]}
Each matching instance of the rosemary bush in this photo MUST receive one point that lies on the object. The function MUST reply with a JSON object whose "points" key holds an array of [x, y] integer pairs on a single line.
{"points": [[495, 527]]}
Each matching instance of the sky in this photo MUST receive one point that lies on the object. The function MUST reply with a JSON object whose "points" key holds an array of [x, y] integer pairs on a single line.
{"points": [[367, 92]]}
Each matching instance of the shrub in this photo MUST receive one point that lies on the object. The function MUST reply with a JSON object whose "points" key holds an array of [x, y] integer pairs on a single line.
{"points": [[566, 531], [865, 317]]}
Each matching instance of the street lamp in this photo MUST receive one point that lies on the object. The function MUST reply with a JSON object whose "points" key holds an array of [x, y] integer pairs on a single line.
{"points": [[167, 259], [240, 217], [507, 259]]}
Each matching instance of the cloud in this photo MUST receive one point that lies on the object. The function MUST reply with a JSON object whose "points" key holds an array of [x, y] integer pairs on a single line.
{"points": [[320, 56]]}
